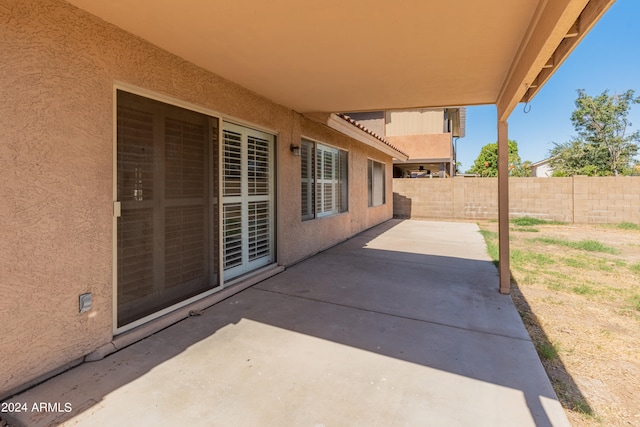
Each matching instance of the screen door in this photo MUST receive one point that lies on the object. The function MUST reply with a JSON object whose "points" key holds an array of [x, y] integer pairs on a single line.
{"points": [[167, 248]]}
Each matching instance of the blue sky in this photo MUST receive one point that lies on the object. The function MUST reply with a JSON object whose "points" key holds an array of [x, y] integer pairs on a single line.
{"points": [[607, 58]]}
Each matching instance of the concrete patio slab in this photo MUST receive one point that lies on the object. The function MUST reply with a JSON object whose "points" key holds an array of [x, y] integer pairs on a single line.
{"points": [[400, 326]]}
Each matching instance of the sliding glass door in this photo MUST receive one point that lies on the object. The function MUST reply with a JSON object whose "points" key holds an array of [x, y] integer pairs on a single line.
{"points": [[167, 240]]}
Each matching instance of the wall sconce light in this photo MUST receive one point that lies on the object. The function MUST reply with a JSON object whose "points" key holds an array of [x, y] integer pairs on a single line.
{"points": [[295, 149]]}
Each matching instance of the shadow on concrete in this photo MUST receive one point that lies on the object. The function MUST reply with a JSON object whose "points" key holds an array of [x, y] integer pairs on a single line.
{"points": [[441, 312], [567, 390], [401, 206]]}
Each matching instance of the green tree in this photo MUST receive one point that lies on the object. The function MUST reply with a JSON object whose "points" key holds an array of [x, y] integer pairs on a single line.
{"points": [[602, 146], [486, 165], [576, 157]]}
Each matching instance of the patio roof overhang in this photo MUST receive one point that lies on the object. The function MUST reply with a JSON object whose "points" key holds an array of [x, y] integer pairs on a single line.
{"points": [[332, 56], [361, 55]]}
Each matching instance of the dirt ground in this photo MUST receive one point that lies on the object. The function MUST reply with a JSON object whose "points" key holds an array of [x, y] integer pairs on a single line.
{"points": [[582, 310]]}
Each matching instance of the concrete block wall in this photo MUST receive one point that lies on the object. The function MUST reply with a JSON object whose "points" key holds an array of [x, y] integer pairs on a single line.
{"points": [[607, 199], [578, 199], [542, 198], [432, 201], [480, 198]]}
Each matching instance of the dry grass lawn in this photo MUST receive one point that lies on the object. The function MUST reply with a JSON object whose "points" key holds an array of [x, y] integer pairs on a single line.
{"points": [[577, 288]]}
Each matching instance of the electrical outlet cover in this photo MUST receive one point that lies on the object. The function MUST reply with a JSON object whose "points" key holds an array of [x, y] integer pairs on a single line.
{"points": [[85, 302]]}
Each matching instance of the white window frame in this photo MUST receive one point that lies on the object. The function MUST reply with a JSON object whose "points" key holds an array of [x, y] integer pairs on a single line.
{"points": [[326, 180], [127, 87], [376, 183], [244, 198]]}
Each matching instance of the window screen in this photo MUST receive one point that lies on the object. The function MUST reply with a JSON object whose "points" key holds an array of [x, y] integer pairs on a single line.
{"points": [[376, 183], [324, 180]]}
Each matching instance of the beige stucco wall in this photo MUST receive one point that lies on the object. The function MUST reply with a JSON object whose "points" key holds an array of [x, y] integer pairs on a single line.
{"points": [[300, 239], [420, 147], [414, 122], [579, 199], [58, 67]]}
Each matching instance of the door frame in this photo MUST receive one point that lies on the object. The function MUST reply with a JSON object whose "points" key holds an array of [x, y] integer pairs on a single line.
{"points": [[244, 199], [222, 118]]}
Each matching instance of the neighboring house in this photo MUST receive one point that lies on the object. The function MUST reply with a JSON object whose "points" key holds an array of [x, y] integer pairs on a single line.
{"points": [[426, 135], [542, 168], [160, 156]]}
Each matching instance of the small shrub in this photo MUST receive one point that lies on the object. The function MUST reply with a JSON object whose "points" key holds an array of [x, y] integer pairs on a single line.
{"points": [[550, 241], [555, 286], [542, 259], [584, 290], [560, 275], [585, 245], [490, 239], [603, 265], [576, 263], [552, 301], [628, 226], [519, 258], [584, 408], [489, 234], [547, 350], [527, 230], [527, 221], [593, 246]]}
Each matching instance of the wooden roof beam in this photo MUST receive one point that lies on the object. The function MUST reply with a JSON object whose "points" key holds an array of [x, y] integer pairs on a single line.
{"points": [[587, 19], [574, 31], [547, 38]]}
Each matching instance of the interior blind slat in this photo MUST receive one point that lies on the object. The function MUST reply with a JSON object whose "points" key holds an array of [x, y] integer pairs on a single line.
{"points": [[135, 154], [258, 166], [231, 168], [232, 244], [184, 244], [184, 159], [259, 226], [135, 254]]}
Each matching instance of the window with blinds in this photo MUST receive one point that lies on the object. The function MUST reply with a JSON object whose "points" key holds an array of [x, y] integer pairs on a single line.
{"points": [[247, 203], [232, 213], [258, 171], [376, 183], [307, 175], [166, 182], [324, 179]]}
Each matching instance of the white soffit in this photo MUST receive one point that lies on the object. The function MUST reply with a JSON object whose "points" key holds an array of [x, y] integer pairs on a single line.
{"points": [[358, 55]]}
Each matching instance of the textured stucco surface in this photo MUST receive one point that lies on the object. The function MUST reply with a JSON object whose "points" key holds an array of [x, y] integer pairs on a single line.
{"points": [[58, 67], [431, 146]]}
